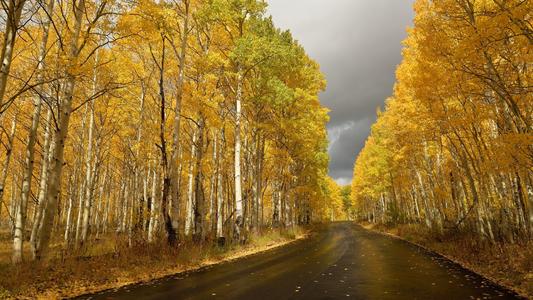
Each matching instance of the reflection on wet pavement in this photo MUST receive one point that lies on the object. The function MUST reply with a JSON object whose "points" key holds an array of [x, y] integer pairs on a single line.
{"points": [[342, 261]]}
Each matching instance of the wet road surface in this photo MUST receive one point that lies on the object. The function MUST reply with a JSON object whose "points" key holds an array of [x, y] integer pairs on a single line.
{"points": [[343, 261]]}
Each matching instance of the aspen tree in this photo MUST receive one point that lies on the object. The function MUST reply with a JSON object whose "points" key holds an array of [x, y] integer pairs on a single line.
{"points": [[60, 135], [12, 26]]}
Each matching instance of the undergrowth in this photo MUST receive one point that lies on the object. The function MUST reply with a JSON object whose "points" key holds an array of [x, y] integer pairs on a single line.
{"points": [[114, 263]]}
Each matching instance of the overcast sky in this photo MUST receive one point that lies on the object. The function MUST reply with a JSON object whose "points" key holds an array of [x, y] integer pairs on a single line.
{"points": [[358, 46]]}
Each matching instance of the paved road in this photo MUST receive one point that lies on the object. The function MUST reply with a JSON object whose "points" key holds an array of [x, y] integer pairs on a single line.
{"points": [[341, 262]]}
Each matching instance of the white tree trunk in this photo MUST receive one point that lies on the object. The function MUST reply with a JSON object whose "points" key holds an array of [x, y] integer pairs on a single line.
{"points": [[98, 215], [65, 108], [153, 208], [238, 189], [106, 213], [69, 219], [30, 148], [45, 162], [220, 192], [189, 218], [119, 202], [88, 165], [13, 206], [5, 167], [173, 164], [125, 203], [14, 12], [213, 181], [80, 213]]}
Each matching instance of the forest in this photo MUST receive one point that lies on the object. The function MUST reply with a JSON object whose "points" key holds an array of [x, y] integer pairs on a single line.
{"points": [[148, 121], [452, 152], [144, 139]]}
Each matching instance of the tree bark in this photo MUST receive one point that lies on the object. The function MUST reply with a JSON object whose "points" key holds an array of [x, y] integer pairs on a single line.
{"points": [[54, 184], [153, 208], [189, 218], [199, 198], [220, 191], [173, 164], [239, 222], [5, 167], [89, 175], [13, 12], [30, 148]]}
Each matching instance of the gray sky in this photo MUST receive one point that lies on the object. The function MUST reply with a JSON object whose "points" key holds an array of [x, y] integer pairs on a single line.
{"points": [[358, 46]]}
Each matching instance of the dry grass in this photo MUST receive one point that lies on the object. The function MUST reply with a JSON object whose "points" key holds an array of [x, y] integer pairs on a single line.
{"points": [[510, 265], [110, 264]]}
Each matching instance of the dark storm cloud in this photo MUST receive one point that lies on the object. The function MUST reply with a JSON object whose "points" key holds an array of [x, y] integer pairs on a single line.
{"points": [[358, 45]]}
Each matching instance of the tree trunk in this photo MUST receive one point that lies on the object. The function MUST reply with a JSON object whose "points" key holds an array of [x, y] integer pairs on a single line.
{"points": [[13, 12], [212, 185], [173, 165], [54, 183], [30, 148], [189, 218], [220, 191], [45, 161], [89, 176], [98, 215], [5, 167], [199, 196], [66, 236], [239, 222], [153, 208]]}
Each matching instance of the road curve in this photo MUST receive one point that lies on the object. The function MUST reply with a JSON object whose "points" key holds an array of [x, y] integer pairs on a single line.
{"points": [[342, 261]]}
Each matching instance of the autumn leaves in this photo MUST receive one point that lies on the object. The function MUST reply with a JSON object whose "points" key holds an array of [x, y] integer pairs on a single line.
{"points": [[194, 119], [452, 149]]}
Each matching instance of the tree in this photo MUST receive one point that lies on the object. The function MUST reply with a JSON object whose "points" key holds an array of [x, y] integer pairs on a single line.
{"points": [[449, 149]]}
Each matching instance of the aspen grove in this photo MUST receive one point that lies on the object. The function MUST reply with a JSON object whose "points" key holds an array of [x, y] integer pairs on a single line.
{"points": [[453, 149], [170, 120]]}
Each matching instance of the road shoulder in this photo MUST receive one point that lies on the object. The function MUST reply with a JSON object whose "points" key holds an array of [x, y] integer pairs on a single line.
{"points": [[501, 281], [118, 275]]}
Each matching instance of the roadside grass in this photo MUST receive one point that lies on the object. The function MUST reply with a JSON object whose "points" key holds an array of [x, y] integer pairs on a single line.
{"points": [[510, 265], [110, 263]]}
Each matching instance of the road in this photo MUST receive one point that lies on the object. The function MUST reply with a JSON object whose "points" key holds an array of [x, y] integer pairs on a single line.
{"points": [[342, 261]]}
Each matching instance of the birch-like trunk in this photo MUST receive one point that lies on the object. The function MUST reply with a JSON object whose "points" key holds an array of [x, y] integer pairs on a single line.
{"points": [[98, 215], [276, 199], [80, 212], [212, 185], [199, 197], [239, 222], [45, 161], [60, 137], [258, 183], [106, 212], [220, 190], [173, 164], [68, 225], [14, 203], [5, 167], [146, 202], [88, 164], [153, 208], [12, 24], [30, 148], [124, 209], [189, 209]]}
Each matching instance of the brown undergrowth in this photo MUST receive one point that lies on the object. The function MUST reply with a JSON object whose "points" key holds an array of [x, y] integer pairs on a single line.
{"points": [[79, 273], [510, 265]]}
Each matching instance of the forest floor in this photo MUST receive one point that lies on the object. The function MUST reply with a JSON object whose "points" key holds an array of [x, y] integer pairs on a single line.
{"points": [[509, 265], [112, 264]]}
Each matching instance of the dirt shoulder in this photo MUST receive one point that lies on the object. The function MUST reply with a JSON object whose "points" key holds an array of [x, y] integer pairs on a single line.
{"points": [[84, 275], [510, 266]]}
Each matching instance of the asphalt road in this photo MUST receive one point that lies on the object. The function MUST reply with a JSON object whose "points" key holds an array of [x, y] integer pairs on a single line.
{"points": [[342, 261]]}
